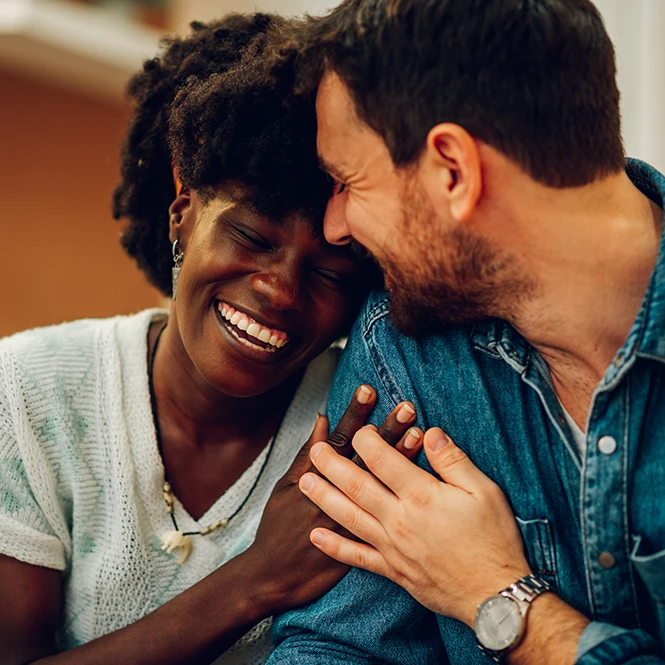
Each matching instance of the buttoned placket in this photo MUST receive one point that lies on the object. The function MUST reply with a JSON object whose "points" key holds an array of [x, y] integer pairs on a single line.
{"points": [[604, 507], [603, 481]]}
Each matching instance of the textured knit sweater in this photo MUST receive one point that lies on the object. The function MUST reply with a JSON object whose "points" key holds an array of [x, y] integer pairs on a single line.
{"points": [[81, 476]]}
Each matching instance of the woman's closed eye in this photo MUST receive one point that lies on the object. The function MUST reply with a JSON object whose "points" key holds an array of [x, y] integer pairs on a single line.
{"points": [[333, 279], [251, 238]]}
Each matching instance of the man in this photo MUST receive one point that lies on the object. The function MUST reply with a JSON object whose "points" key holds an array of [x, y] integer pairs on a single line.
{"points": [[477, 146]]}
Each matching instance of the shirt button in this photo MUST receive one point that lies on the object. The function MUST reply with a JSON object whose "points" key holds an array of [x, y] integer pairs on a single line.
{"points": [[607, 445], [607, 560]]}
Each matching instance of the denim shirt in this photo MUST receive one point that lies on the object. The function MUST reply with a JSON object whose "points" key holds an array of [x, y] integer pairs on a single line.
{"points": [[594, 527]]}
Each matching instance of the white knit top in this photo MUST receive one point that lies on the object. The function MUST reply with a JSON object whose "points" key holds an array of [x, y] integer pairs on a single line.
{"points": [[81, 476]]}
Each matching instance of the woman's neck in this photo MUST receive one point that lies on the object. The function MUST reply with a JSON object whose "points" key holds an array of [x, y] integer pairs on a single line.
{"points": [[190, 406]]}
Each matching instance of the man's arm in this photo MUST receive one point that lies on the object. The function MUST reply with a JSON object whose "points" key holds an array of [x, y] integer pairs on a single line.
{"points": [[407, 518]]}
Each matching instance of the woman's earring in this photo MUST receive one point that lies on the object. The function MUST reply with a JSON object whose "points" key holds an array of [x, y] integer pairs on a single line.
{"points": [[178, 256]]}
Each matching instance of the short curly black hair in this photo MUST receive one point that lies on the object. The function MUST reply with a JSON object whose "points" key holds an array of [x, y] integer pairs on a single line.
{"points": [[211, 106]]}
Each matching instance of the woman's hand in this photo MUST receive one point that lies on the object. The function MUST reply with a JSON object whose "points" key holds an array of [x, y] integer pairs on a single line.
{"points": [[292, 571]]}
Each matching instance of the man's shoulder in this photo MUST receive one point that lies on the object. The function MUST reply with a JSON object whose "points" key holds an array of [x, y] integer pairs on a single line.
{"points": [[375, 338], [429, 371]]}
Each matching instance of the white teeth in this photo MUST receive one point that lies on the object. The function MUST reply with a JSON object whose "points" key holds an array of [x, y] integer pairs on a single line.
{"points": [[246, 342], [254, 329]]}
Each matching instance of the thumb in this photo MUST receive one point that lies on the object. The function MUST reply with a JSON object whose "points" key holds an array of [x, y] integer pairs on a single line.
{"points": [[450, 462]]}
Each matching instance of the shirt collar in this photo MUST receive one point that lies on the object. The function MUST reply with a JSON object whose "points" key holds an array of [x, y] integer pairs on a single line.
{"points": [[647, 336]]}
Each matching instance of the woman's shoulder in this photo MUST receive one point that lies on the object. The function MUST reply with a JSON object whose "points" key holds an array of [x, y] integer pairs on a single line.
{"points": [[51, 359], [81, 336]]}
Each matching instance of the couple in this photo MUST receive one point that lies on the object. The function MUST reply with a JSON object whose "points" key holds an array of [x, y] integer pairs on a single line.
{"points": [[484, 171]]}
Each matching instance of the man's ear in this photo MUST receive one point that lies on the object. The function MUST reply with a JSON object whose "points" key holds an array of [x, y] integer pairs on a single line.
{"points": [[180, 215], [451, 170]]}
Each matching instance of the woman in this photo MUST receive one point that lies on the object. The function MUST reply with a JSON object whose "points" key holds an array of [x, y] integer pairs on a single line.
{"points": [[137, 453]]}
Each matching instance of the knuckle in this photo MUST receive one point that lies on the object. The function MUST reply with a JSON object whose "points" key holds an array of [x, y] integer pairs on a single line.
{"points": [[419, 499], [354, 487], [454, 456], [351, 519], [339, 439], [391, 432]]}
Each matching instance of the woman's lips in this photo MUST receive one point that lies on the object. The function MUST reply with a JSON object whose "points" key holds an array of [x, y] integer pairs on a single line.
{"points": [[250, 332]]}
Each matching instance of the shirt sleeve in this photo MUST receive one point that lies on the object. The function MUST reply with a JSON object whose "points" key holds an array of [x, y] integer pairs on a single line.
{"points": [[605, 644], [27, 534], [366, 618]]}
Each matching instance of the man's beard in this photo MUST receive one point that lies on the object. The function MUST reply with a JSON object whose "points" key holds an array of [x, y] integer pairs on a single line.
{"points": [[440, 279]]}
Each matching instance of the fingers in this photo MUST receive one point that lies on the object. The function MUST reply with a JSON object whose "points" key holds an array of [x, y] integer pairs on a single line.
{"points": [[348, 551], [388, 465], [394, 429], [347, 494], [353, 419], [411, 443], [302, 461], [452, 463]]}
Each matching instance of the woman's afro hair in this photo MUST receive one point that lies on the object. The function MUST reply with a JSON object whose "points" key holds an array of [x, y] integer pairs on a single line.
{"points": [[213, 106]]}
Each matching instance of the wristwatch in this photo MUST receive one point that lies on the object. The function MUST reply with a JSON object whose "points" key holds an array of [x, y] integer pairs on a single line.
{"points": [[500, 620]]}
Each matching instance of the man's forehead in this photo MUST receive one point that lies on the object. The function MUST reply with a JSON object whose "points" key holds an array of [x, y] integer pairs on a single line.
{"points": [[339, 127], [333, 99]]}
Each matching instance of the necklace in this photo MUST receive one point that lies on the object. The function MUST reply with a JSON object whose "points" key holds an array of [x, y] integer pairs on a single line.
{"points": [[177, 539]]}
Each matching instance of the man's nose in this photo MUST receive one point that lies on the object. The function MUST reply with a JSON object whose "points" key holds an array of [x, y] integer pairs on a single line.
{"points": [[335, 227]]}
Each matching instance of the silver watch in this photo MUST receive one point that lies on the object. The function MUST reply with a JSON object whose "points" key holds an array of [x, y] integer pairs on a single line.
{"points": [[501, 620]]}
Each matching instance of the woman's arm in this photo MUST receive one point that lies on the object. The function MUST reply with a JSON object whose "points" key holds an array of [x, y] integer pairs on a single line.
{"points": [[280, 571]]}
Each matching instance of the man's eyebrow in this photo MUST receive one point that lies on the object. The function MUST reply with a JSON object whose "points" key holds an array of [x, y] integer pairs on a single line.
{"points": [[330, 169]]}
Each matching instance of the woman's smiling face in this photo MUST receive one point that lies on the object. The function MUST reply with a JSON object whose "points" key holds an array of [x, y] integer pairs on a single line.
{"points": [[257, 299]]}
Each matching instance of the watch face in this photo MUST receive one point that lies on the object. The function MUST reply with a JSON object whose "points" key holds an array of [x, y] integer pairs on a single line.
{"points": [[498, 623]]}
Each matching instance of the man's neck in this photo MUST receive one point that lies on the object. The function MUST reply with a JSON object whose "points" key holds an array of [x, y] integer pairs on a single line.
{"points": [[591, 252]]}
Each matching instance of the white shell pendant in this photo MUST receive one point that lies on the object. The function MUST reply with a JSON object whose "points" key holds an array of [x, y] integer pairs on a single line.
{"points": [[175, 540]]}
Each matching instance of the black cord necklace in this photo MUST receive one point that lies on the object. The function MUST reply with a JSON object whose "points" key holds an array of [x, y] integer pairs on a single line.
{"points": [[176, 539]]}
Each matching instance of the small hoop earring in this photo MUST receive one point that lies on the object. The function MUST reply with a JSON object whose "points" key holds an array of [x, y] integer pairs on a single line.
{"points": [[178, 256]]}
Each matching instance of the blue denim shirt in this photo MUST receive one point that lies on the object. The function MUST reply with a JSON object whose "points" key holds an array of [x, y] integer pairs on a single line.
{"points": [[594, 527]]}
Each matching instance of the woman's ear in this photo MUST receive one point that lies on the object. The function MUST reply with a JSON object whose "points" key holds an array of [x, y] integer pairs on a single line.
{"points": [[179, 216]]}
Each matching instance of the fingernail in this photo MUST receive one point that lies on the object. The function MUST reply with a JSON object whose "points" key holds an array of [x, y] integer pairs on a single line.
{"points": [[314, 452], [440, 443], [412, 439], [307, 483], [364, 394], [317, 537], [405, 414]]}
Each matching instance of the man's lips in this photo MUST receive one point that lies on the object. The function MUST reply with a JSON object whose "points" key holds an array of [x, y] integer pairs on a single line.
{"points": [[249, 331]]}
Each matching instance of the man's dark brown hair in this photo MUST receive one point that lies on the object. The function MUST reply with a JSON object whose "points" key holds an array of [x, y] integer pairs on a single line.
{"points": [[535, 79]]}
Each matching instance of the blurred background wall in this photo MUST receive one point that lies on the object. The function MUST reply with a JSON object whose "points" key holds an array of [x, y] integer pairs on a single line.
{"points": [[62, 68]]}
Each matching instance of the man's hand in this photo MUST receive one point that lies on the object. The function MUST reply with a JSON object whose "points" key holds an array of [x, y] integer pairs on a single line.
{"points": [[290, 572], [449, 543]]}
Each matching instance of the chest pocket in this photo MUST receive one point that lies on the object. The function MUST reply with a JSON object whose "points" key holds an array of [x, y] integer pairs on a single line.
{"points": [[651, 569], [539, 547]]}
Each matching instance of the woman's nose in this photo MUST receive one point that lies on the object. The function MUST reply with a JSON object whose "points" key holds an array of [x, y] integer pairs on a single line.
{"points": [[281, 289], [335, 227]]}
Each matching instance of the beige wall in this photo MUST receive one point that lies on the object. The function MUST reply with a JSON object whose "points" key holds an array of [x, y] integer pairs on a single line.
{"points": [[59, 253], [184, 11]]}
